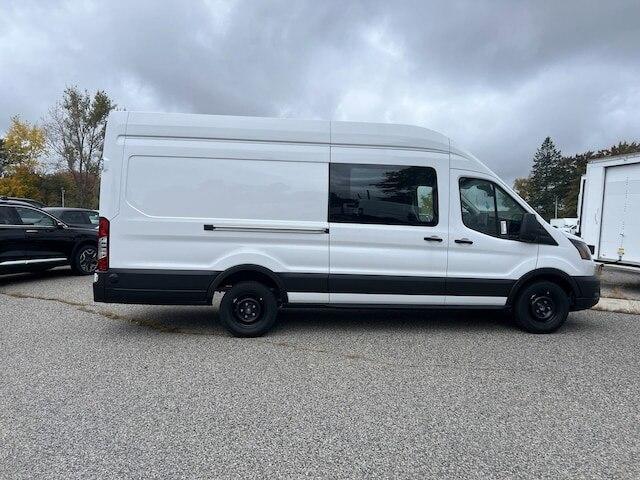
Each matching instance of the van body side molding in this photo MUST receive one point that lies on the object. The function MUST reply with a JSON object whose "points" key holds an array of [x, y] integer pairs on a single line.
{"points": [[197, 287], [227, 228]]}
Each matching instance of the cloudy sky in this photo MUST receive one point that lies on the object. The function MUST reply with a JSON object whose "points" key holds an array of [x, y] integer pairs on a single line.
{"points": [[497, 76]]}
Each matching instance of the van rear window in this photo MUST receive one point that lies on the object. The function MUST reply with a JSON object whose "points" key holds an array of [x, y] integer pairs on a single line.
{"points": [[383, 194]]}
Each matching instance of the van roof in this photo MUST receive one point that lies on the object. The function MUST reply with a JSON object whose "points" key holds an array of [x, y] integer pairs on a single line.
{"points": [[196, 126]]}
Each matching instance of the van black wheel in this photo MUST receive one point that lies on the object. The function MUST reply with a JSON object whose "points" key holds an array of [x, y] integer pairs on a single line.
{"points": [[541, 307], [85, 260], [248, 309]]}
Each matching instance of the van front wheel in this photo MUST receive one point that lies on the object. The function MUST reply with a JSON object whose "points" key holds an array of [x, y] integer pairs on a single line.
{"points": [[248, 309], [541, 307]]}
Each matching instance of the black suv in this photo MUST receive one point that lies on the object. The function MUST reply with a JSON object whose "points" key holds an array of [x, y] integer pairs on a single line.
{"points": [[33, 240], [75, 217]]}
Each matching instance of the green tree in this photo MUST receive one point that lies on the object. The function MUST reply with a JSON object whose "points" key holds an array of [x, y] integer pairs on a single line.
{"points": [[51, 186], [547, 182], [75, 134]]}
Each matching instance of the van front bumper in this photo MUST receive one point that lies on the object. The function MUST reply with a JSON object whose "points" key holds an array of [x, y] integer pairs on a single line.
{"points": [[587, 292]]}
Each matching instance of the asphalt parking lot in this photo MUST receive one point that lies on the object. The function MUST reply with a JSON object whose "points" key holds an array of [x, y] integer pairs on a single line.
{"points": [[112, 391]]}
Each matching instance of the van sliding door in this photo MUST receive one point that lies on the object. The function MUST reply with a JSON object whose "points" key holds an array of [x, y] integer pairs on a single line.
{"points": [[388, 226]]}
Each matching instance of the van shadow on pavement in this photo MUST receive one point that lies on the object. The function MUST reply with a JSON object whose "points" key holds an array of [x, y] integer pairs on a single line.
{"points": [[204, 321]]}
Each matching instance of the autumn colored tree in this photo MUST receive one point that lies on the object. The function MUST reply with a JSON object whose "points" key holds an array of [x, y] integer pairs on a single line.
{"points": [[24, 145], [22, 149], [22, 182], [75, 130], [522, 187], [3, 158]]}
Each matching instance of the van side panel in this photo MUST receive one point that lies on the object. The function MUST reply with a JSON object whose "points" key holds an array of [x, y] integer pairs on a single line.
{"points": [[206, 206]]}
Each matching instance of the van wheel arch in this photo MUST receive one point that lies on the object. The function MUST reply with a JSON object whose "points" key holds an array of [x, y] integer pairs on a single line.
{"points": [[247, 273], [556, 276]]}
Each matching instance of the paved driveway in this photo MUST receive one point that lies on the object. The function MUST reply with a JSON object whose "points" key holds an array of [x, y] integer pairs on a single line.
{"points": [[111, 391]]}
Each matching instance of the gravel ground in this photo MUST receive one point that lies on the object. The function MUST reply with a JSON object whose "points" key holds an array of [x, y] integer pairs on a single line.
{"points": [[111, 391], [618, 283]]}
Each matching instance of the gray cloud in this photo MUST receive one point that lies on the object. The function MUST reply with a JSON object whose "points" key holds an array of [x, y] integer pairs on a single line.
{"points": [[498, 76]]}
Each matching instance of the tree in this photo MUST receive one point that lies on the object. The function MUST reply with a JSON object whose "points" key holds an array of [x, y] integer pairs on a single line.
{"points": [[21, 154], [75, 133], [3, 158], [23, 182], [576, 166], [558, 177], [547, 182], [24, 145], [522, 186]]}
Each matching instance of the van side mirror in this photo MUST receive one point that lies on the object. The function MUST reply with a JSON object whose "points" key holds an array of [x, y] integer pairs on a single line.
{"points": [[60, 225], [529, 228]]}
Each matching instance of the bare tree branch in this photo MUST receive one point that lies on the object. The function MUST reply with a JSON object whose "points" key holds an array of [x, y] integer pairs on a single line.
{"points": [[75, 129]]}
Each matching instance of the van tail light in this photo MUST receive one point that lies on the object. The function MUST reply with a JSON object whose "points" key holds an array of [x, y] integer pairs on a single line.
{"points": [[103, 245]]}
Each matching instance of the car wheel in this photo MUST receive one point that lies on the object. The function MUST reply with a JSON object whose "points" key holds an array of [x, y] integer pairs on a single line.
{"points": [[85, 260], [248, 309], [541, 307]]}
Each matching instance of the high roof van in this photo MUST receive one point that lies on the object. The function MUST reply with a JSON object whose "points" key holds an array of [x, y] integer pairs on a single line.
{"points": [[278, 212]]}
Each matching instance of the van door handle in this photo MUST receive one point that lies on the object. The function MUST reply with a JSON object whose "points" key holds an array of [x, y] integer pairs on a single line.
{"points": [[464, 241], [31, 231], [432, 239]]}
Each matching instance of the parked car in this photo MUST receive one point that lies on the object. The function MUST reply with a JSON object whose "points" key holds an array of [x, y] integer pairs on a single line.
{"points": [[33, 240], [277, 213], [75, 217], [566, 225], [30, 201]]}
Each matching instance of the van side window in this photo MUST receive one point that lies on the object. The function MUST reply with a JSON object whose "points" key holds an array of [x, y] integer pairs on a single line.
{"points": [[383, 194], [488, 209]]}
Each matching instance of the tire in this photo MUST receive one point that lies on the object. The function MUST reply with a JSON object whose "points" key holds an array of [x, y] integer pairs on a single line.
{"points": [[248, 309], [84, 260], [541, 307]]}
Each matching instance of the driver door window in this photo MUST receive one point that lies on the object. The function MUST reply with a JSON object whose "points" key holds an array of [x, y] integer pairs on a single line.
{"points": [[488, 209], [510, 214]]}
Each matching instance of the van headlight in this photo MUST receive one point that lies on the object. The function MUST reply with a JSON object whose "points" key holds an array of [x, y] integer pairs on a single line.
{"points": [[582, 248]]}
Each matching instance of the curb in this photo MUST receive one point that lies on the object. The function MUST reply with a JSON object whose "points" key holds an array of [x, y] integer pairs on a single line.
{"points": [[619, 305]]}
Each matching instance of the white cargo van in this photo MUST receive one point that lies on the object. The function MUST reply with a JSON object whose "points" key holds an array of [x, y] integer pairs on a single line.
{"points": [[277, 213]]}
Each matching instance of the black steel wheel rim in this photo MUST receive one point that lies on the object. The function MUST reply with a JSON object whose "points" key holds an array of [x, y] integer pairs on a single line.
{"points": [[247, 309], [88, 260], [542, 306]]}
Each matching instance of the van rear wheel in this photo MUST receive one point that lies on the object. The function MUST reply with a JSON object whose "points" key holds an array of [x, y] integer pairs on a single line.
{"points": [[248, 309], [541, 307]]}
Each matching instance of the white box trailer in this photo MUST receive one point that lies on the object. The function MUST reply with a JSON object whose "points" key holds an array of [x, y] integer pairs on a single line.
{"points": [[609, 209]]}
